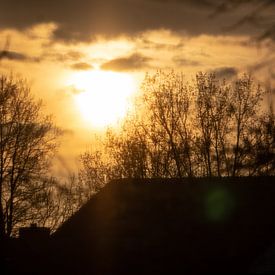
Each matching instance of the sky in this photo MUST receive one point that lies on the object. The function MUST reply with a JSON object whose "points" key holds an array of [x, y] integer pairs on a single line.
{"points": [[87, 58]]}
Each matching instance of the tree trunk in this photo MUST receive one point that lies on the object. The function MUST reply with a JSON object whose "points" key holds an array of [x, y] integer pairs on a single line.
{"points": [[2, 217], [236, 151]]}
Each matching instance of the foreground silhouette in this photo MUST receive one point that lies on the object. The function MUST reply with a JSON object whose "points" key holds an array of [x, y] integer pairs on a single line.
{"points": [[162, 226]]}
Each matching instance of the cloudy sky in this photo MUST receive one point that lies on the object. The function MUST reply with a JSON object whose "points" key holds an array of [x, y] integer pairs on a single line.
{"points": [[74, 52]]}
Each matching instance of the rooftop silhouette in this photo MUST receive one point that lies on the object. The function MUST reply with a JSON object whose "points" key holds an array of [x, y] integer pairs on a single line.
{"points": [[167, 226]]}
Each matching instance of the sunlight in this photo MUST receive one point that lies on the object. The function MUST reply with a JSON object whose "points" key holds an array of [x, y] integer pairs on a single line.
{"points": [[104, 97]]}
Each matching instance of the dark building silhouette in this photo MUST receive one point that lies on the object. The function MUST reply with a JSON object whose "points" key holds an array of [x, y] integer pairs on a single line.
{"points": [[167, 226]]}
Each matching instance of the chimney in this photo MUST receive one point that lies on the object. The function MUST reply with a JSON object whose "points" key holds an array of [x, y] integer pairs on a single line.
{"points": [[34, 233]]}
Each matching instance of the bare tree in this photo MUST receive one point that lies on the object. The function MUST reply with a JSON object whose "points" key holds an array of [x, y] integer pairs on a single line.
{"points": [[27, 140], [93, 174], [245, 107], [259, 145], [214, 122], [179, 129], [56, 201], [167, 104], [128, 151], [206, 88]]}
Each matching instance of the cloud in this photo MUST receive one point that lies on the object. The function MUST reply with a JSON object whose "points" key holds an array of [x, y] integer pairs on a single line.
{"points": [[129, 63], [185, 62], [151, 45], [10, 55], [82, 20], [63, 57], [225, 72], [262, 64], [208, 4], [82, 66]]}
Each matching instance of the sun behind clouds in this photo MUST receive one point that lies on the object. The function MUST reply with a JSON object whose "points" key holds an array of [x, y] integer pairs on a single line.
{"points": [[104, 96]]}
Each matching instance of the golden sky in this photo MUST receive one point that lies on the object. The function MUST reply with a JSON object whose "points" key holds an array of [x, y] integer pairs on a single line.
{"points": [[86, 59]]}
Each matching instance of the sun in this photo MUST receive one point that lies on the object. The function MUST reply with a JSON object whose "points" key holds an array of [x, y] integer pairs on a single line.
{"points": [[103, 97]]}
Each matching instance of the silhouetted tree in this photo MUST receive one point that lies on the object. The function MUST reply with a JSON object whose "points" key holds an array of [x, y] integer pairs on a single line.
{"points": [[166, 100], [206, 93], [93, 173], [27, 141], [57, 201], [179, 129], [245, 106], [260, 145], [128, 151]]}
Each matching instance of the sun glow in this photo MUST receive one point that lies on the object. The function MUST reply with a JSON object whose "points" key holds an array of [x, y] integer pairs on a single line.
{"points": [[102, 97]]}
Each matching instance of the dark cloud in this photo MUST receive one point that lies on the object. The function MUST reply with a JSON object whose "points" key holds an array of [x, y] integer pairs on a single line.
{"points": [[10, 55], [63, 57], [73, 55], [129, 63], [81, 66], [258, 14], [185, 62], [208, 4], [263, 64], [147, 44], [81, 20], [225, 72]]}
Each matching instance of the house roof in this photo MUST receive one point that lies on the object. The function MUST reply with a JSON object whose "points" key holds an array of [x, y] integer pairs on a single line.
{"points": [[168, 225]]}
